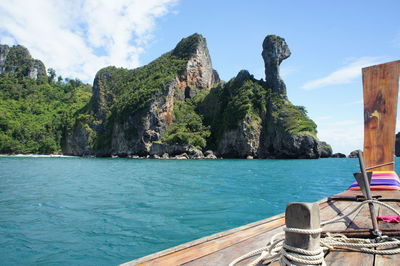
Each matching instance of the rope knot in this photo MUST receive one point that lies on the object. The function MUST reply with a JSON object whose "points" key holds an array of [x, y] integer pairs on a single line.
{"points": [[278, 250]]}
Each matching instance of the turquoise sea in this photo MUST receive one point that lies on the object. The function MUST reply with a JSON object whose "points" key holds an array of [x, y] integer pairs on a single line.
{"points": [[79, 211]]}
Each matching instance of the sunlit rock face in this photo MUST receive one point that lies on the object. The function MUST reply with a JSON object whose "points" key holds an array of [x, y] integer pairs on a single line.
{"points": [[243, 118], [275, 50], [136, 132]]}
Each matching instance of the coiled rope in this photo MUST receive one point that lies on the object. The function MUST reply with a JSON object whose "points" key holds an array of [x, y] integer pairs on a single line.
{"points": [[276, 249]]}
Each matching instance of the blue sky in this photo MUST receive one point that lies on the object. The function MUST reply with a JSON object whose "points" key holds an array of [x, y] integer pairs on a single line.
{"points": [[330, 41]]}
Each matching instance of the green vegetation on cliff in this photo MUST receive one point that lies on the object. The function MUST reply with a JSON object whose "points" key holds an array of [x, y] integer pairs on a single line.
{"points": [[127, 92], [19, 61], [176, 99], [294, 118], [120, 93], [132, 90], [35, 113], [239, 98], [227, 105], [136, 88], [187, 126], [187, 46]]}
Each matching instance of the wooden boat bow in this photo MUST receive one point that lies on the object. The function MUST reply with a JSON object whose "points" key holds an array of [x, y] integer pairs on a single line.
{"points": [[380, 86]]}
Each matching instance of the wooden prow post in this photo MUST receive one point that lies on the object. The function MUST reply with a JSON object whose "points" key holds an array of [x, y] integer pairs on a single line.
{"points": [[380, 88], [303, 216]]}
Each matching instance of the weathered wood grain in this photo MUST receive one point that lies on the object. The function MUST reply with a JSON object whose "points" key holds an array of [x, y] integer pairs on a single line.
{"points": [[341, 258], [362, 220], [380, 87], [386, 260], [227, 255], [345, 207], [344, 257], [302, 216]]}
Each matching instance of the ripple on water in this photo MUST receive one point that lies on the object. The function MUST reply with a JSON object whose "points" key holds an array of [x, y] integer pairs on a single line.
{"points": [[63, 211]]}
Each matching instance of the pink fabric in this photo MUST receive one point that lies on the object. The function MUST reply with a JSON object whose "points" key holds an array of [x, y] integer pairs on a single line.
{"points": [[389, 218]]}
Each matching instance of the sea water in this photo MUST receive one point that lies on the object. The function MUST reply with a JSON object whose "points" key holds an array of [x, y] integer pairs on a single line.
{"points": [[79, 211]]}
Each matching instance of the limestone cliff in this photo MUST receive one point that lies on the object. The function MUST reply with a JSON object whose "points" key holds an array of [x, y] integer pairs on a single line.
{"points": [[132, 109], [256, 119], [177, 106], [240, 124], [288, 131], [275, 50], [18, 60]]}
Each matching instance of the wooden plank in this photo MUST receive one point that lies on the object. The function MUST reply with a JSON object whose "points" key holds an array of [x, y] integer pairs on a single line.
{"points": [[227, 255], [343, 223], [362, 220], [195, 251], [380, 87], [388, 259], [341, 258], [334, 209], [385, 211], [345, 257]]}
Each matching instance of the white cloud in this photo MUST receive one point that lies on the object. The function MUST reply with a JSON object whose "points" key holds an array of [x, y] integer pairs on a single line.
{"points": [[343, 137], [77, 38], [343, 75]]}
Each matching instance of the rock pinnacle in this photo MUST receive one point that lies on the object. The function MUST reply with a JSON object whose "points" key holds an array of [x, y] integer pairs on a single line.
{"points": [[275, 50]]}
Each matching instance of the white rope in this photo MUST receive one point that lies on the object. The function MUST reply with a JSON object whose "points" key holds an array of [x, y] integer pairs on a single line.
{"points": [[357, 208], [303, 231], [362, 245], [272, 251], [299, 255], [287, 255]]}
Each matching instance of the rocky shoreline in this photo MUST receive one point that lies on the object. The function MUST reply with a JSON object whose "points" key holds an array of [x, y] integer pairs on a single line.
{"points": [[189, 154], [38, 155]]}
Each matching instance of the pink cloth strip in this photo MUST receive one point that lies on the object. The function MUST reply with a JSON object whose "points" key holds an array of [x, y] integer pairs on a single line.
{"points": [[389, 218]]}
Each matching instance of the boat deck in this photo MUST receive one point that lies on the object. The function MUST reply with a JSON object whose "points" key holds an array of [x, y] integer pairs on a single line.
{"points": [[223, 248]]}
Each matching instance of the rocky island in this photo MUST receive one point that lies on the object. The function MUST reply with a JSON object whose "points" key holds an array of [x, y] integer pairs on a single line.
{"points": [[176, 106]]}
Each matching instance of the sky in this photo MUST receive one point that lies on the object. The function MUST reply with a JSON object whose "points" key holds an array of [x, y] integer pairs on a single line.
{"points": [[330, 42]]}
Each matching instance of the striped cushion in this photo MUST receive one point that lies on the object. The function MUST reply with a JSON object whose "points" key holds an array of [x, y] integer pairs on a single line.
{"points": [[381, 180]]}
